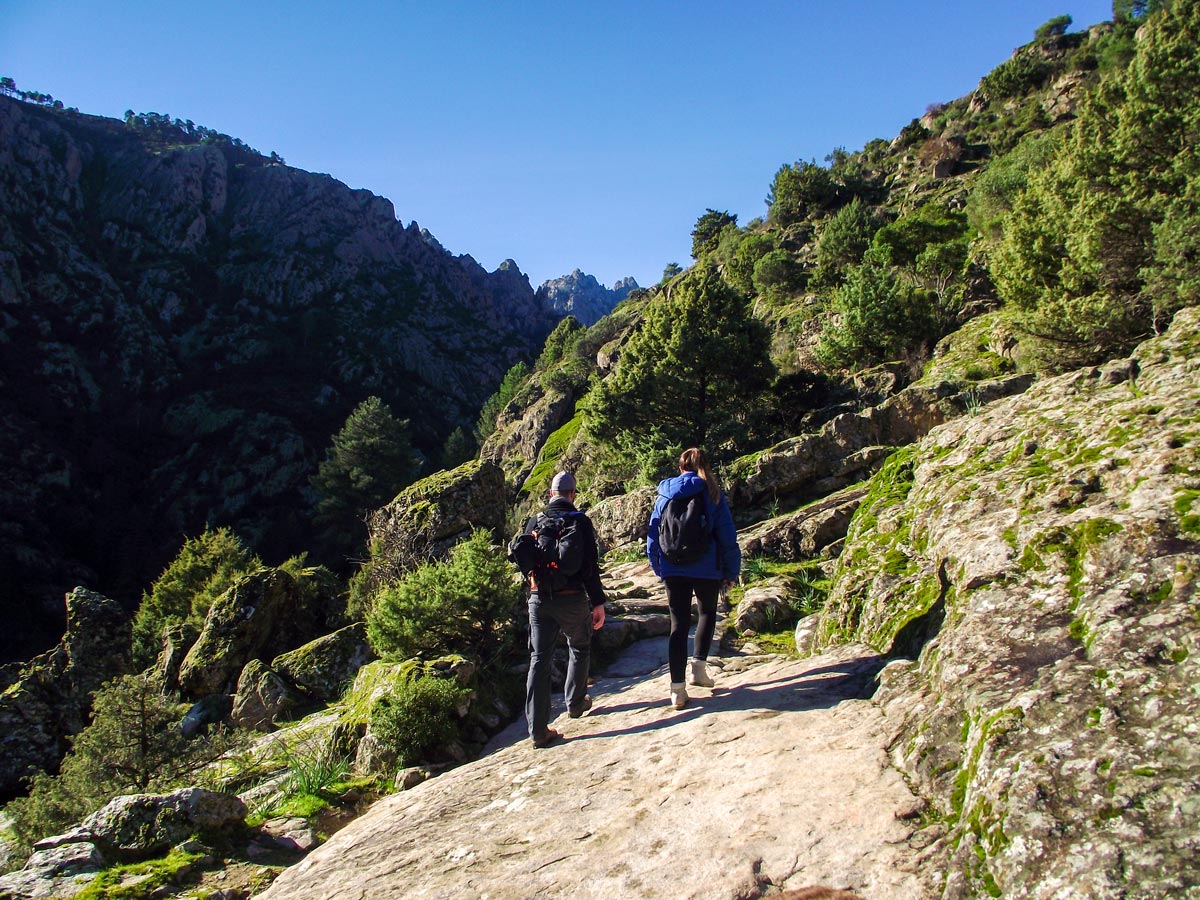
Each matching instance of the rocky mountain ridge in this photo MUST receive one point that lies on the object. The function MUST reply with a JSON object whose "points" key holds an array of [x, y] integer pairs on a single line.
{"points": [[184, 325]]}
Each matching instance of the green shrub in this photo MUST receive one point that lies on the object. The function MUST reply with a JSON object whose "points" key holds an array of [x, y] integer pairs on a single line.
{"points": [[418, 718], [464, 605], [205, 568], [559, 343], [1015, 77], [843, 241]]}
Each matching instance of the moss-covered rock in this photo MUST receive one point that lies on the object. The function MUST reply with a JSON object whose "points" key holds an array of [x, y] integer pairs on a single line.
{"points": [[262, 615], [50, 700], [432, 515], [263, 698], [326, 667], [624, 519], [1034, 562], [851, 447]]}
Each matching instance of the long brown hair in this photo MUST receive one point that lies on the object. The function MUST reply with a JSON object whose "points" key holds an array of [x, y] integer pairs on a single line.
{"points": [[693, 460]]}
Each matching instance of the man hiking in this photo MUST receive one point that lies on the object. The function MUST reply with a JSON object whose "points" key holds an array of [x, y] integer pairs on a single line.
{"points": [[565, 594]]}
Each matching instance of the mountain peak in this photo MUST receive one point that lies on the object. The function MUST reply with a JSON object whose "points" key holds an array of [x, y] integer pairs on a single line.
{"points": [[581, 295]]}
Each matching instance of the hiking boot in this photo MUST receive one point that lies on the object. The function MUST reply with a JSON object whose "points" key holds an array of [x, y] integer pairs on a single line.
{"points": [[679, 697], [700, 675], [576, 711], [550, 737]]}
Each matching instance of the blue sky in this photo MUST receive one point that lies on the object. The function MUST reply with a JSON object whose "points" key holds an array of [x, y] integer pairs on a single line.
{"points": [[561, 135]]}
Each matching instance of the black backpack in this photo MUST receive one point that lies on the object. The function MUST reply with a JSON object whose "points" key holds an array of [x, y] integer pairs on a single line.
{"points": [[552, 553], [685, 530]]}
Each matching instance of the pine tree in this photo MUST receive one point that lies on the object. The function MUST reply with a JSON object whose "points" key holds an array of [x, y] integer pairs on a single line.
{"points": [[698, 362], [133, 745], [370, 461], [1099, 250]]}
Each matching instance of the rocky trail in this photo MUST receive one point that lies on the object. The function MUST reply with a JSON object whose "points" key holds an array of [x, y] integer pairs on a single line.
{"points": [[776, 778]]}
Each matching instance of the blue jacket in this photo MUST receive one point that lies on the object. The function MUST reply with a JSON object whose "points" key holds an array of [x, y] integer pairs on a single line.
{"points": [[723, 560]]}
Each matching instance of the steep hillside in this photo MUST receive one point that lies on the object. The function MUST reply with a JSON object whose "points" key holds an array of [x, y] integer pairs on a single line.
{"points": [[1034, 225], [185, 323]]}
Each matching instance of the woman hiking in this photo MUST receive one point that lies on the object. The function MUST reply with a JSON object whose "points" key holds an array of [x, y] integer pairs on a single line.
{"points": [[692, 546]]}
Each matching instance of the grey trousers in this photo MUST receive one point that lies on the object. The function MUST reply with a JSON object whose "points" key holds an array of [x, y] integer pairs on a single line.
{"points": [[571, 614]]}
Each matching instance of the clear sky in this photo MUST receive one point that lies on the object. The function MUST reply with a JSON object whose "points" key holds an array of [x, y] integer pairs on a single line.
{"points": [[562, 134]]}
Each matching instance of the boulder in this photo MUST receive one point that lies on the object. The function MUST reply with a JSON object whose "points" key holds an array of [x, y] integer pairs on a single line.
{"points": [[261, 616], [763, 605], [264, 698], [623, 519], [51, 699], [323, 669], [432, 515], [60, 871], [138, 826]]}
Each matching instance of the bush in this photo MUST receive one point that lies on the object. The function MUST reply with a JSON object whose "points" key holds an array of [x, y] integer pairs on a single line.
{"points": [[1015, 77], [418, 718], [464, 606], [778, 273], [559, 342], [799, 191], [205, 568], [843, 241]]}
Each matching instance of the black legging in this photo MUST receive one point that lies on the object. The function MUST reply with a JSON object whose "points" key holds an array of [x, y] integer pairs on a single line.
{"points": [[679, 596]]}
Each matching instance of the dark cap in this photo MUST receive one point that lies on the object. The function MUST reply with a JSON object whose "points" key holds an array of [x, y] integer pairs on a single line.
{"points": [[564, 482]]}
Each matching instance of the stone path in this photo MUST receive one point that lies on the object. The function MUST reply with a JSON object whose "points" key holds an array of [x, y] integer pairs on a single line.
{"points": [[776, 776]]}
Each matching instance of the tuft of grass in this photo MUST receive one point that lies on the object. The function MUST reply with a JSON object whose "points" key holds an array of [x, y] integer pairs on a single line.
{"points": [[140, 881]]}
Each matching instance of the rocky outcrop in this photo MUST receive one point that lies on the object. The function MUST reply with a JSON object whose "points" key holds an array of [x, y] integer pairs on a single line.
{"points": [[324, 668], [623, 520], [1033, 568], [130, 828], [186, 324], [263, 698], [778, 774], [263, 615], [137, 826], [583, 297], [50, 700], [300, 680], [850, 447], [432, 515], [522, 430], [805, 533]]}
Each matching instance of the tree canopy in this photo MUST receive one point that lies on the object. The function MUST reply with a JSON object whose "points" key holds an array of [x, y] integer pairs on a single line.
{"points": [[690, 373], [370, 460], [1100, 249]]}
